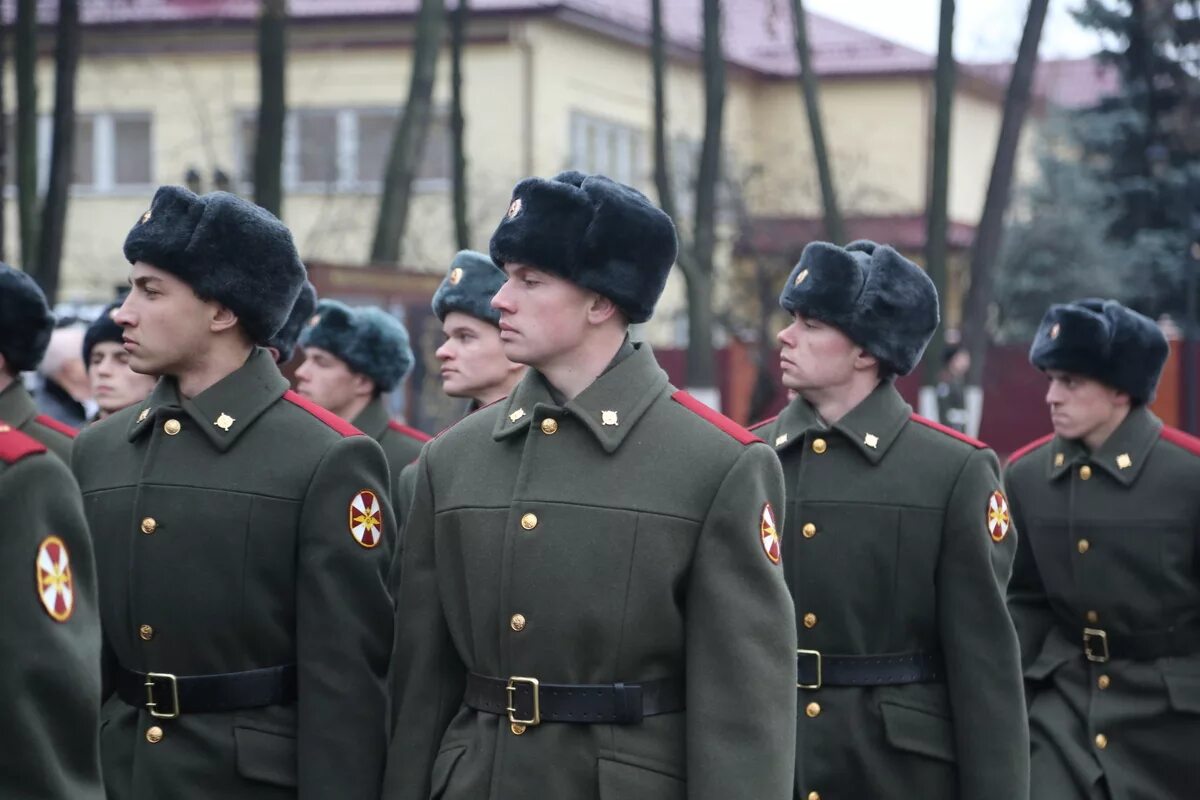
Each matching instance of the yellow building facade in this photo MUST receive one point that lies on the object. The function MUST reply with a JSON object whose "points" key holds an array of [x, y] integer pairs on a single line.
{"points": [[543, 92]]}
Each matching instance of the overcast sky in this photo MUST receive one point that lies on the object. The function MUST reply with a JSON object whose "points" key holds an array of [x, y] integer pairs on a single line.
{"points": [[985, 30]]}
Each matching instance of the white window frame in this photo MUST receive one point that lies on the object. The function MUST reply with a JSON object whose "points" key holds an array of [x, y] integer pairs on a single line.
{"points": [[346, 180], [631, 162]]}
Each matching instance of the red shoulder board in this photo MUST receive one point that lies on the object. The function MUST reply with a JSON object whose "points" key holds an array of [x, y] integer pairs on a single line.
{"points": [[715, 417], [328, 417], [1178, 437], [15, 445], [55, 425], [756, 425], [412, 433], [1021, 452], [962, 437]]}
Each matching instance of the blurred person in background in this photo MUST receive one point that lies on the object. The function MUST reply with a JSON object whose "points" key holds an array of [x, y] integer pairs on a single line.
{"points": [[64, 392], [114, 385]]}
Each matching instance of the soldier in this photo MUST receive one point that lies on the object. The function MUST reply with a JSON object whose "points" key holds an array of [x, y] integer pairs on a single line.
{"points": [[352, 357], [25, 327], [1106, 586], [282, 346], [50, 651], [238, 532], [590, 604], [897, 550], [473, 362], [114, 384]]}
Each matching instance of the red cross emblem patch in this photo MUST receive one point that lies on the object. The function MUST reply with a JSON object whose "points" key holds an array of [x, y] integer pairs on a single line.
{"points": [[998, 518], [768, 533], [54, 585], [366, 519]]}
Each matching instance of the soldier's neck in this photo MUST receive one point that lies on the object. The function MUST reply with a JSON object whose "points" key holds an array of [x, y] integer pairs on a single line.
{"points": [[353, 408], [572, 371], [214, 366], [834, 402], [499, 391], [1096, 438]]}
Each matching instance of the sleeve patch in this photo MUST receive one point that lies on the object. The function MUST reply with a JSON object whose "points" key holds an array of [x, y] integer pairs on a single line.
{"points": [[55, 588], [999, 520], [769, 534], [366, 519]]}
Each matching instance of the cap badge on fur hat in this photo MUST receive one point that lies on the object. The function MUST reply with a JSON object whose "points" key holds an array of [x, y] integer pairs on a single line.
{"points": [[146, 216], [455, 276], [800, 278], [1055, 331], [514, 207], [314, 320]]}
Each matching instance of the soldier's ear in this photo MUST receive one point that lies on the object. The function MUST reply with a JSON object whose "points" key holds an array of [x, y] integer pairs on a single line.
{"points": [[222, 318], [601, 309], [864, 360]]}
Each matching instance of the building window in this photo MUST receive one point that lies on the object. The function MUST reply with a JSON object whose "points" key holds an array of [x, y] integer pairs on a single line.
{"points": [[608, 148], [344, 149], [111, 153]]}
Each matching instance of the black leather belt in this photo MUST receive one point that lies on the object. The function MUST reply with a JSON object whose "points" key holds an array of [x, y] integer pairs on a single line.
{"points": [[166, 696], [527, 701], [1099, 645], [815, 669]]}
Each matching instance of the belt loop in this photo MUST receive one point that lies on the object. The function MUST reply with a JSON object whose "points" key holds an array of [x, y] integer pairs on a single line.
{"points": [[627, 702]]}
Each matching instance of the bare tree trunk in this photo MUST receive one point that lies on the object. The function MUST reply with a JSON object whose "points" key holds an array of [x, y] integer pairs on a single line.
{"points": [[458, 124], [62, 161], [408, 141], [991, 225], [939, 190], [812, 104], [272, 105], [701, 359], [662, 156], [25, 49], [4, 142]]}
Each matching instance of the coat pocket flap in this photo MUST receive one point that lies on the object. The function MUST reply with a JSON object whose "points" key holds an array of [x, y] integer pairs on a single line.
{"points": [[1183, 691], [443, 766], [918, 731], [621, 781], [266, 757]]}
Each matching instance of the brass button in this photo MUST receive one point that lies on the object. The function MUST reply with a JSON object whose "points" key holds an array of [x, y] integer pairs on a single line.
{"points": [[1083, 546], [549, 426], [529, 521], [172, 427], [819, 446], [809, 530], [1085, 472], [1104, 682], [1101, 741], [146, 632], [517, 623], [517, 728], [813, 709], [1092, 617], [149, 525], [810, 620], [814, 796], [154, 734]]}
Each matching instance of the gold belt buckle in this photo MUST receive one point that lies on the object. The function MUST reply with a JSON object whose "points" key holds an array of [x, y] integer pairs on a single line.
{"points": [[1090, 634], [511, 690], [151, 705], [816, 685]]}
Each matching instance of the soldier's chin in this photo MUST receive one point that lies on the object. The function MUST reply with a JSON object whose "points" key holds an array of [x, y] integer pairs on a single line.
{"points": [[142, 365]]}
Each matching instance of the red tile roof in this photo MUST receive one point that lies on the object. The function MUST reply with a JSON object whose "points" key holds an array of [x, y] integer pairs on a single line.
{"points": [[1069, 82], [758, 33]]}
